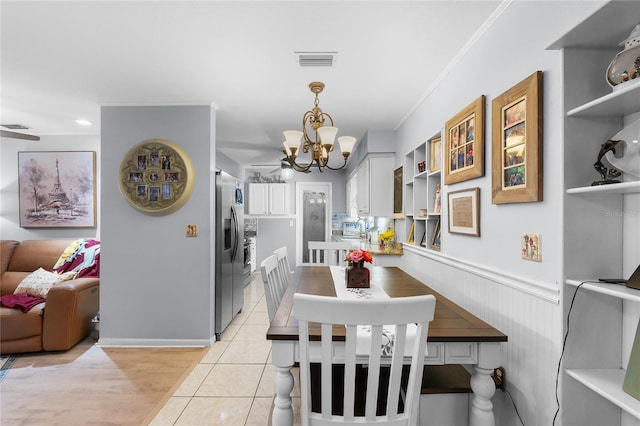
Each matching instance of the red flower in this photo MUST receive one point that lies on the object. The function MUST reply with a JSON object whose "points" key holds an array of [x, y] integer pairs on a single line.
{"points": [[359, 255]]}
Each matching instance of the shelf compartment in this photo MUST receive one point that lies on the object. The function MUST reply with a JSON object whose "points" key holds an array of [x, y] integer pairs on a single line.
{"points": [[624, 101], [613, 188], [608, 384], [615, 290]]}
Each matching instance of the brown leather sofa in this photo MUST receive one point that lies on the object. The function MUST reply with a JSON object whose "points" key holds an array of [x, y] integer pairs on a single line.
{"points": [[60, 322]]}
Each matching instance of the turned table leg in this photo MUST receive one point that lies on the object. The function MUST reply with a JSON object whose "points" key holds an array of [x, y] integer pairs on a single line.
{"points": [[282, 358], [483, 386]]}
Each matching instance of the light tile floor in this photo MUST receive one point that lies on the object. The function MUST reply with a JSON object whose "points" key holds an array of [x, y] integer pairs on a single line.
{"points": [[233, 384]]}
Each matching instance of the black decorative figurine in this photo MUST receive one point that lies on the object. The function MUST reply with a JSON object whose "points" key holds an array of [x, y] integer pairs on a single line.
{"points": [[607, 176]]}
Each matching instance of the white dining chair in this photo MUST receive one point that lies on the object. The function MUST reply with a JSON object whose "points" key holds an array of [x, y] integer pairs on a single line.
{"points": [[283, 264], [328, 252], [406, 313], [274, 287]]}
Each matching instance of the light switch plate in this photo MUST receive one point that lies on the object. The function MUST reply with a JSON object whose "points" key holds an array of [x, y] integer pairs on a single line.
{"points": [[192, 230]]}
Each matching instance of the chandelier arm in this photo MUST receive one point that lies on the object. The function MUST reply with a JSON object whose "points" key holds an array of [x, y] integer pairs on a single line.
{"points": [[297, 167], [336, 168]]}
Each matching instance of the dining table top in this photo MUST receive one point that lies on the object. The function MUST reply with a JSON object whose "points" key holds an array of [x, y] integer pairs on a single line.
{"points": [[451, 322]]}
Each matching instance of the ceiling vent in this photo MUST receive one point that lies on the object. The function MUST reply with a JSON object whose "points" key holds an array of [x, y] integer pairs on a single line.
{"points": [[316, 59]]}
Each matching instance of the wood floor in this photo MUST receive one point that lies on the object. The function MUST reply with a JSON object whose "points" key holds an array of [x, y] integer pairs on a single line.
{"points": [[93, 385]]}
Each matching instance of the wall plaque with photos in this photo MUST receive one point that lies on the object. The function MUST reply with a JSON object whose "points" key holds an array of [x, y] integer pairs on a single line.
{"points": [[156, 177]]}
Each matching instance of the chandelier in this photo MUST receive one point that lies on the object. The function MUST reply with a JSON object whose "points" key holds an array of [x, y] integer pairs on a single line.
{"points": [[321, 146]]}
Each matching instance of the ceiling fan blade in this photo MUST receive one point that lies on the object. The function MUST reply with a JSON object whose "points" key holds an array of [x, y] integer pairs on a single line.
{"points": [[16, 135]]}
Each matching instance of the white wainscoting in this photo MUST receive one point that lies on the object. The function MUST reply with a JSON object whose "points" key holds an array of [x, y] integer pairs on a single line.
{"points": [[527, 312]]}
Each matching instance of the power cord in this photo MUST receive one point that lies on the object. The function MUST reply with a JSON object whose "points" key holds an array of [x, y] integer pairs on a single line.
{"points": [[514, 405], [564, 344]]}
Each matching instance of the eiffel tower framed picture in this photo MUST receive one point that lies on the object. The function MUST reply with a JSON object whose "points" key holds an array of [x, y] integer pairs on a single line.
{"points": [[57, 189]]}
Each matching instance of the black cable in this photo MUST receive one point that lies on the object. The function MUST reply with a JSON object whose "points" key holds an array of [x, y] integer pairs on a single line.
{"points": [[514, 405], [564, 344]]}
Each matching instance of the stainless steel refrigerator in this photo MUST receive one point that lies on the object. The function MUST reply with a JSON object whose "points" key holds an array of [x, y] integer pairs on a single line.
{"points": [[229, 256]]}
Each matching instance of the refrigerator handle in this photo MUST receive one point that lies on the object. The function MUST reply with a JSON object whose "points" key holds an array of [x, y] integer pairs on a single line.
{"points": [[236, 230]]}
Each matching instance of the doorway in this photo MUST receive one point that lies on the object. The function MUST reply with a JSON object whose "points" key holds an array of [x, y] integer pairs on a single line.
{"points": [[313, 221]]}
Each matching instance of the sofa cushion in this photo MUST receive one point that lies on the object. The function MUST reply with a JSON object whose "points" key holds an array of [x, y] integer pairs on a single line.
{"points": [[40, 281], [18, 325], [33, 254], [7, 248]]}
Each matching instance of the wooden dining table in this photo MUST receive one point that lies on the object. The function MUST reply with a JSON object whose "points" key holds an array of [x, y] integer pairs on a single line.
{"points": [[455, 337]]}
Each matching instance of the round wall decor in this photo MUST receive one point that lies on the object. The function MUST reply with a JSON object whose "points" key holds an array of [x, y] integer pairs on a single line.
{"points": [[156, 177]]}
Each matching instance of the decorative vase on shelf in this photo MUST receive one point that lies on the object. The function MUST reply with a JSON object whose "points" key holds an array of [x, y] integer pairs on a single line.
{"points": [[626, 64], [358, 275]]}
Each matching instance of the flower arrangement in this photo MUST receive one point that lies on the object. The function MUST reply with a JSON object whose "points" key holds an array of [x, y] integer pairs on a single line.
{"points": [[359, 255], [356, 275], [385, 237]]}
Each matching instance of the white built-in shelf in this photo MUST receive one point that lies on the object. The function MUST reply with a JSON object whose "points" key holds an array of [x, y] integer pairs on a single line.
{"points": [[608, 384], [434, 215], [623, 101], [421, 175], [612, 188], [434, 174], [616, 290], [420, 218]]}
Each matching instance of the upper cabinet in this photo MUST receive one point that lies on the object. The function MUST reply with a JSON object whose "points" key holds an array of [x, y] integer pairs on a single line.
{"points": [[269, 199], [374, 186]]}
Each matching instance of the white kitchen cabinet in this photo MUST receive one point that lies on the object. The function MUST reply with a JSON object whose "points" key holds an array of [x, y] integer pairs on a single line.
{"points": [[268, 198], [374, 182]]}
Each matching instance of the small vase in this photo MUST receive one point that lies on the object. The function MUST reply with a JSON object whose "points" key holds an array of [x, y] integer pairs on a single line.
{"points": [[358, 276], [626, 65]]}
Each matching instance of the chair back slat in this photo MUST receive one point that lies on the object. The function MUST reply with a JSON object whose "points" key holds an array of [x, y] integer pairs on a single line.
{"points": [[384, 372], [283, 264], [274, 287], [328, 252]]}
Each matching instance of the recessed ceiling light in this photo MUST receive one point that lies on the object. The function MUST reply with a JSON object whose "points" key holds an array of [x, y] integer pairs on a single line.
{"points": [[84, 122]]}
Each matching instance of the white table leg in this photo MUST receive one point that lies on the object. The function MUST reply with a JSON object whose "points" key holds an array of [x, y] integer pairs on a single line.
{"points": [[483, 386], [282, 357]]}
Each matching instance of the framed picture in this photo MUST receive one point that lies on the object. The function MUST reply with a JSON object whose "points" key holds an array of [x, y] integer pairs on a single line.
{"points": [[464, 144], [397, 193], [156, 177], [57, 189], [464, 211], [516, 171], [435, 239], [410, 239], [435, 154]]}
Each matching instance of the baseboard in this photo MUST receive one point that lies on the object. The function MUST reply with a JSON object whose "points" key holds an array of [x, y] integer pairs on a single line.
{"points": [[154, 343]]}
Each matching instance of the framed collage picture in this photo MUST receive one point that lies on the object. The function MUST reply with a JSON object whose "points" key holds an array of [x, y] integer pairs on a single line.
{"points": [[516, 171], [464, 144], [156, 177], [57, 189]]}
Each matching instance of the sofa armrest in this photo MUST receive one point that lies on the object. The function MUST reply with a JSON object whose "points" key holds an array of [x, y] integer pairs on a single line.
{"points": [[68, 312]]}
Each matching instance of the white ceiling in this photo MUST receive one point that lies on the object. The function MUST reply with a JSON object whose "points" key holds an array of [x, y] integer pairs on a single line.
{"points": [[62, 60]]}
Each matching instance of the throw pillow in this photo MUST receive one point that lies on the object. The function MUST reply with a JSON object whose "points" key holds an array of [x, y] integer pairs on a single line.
{"points": [[39, 282]]}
